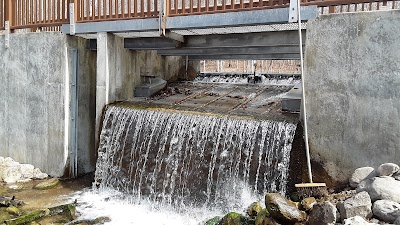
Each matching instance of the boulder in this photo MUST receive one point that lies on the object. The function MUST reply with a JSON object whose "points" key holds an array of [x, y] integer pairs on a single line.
{"points": [[381, 188], [387, 169], [361, 174], [323, 213], [261, 217], [213, 221], [308, 203], [268, 221], [11, 174], [397, 221], [357, 220], [358, 205], [26, 171], [283, 209], [386, 210], [254, 209], [37, 174], [47, 184], [233, 218]]}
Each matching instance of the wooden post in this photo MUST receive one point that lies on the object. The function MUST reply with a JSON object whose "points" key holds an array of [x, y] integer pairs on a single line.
{"points": [[76, 10], [10, 13]]}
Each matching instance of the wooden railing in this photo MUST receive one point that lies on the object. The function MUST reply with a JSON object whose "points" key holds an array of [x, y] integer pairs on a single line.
{"points": [[35, 14], [106, 10], [51, 14], [2, 14]]}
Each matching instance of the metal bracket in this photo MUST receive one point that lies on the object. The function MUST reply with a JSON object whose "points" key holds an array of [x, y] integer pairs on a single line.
{"points": [[293, 11], [7, 36], [71, 19], [174, 36]]}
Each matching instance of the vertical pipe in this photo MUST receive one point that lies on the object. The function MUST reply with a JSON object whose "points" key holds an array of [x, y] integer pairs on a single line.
{"points": [[74, 115], [304, 94]]}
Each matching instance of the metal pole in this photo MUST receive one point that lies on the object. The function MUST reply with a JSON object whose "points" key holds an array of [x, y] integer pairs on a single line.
{"points": [[304, 95]]}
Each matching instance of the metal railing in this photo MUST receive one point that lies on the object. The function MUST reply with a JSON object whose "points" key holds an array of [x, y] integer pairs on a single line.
{"points": [[51, 14]]}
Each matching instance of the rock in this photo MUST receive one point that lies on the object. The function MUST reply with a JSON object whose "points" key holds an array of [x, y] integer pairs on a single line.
{"points": [[323, 214], [233, 218], [308, 203], [4, 216], [361, 174], [11, 174], [387, 169], [358, 205], [268, 221], [386, 210], [28, 217], [381, 188], [51, 183], [13, 210], [102, 220], [397, 221], [261, 217], [396, 176], [282, 209], [37, 174], [357, 220], [213, 221], [26, 171], [254, 209]]}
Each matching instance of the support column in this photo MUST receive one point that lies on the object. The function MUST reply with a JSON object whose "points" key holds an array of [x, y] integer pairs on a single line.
{"points": [[105, 85]]}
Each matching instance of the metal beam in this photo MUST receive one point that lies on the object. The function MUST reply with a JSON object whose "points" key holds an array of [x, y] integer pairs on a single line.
{"points": [[227, 19], [243, 18], [276, 38], [174, 36], [230, 51], [283, 56], [150, 24], [263, 39], [150, 43]]}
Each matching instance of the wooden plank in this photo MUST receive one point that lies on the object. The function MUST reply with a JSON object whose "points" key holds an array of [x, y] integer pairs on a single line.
{"points": [[142, 8], [148, 8], [129, 8]]}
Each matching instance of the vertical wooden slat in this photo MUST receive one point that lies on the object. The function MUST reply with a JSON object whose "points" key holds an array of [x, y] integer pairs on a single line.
{"points": [[331, 9], [93, 9], [129, 8], [98, 9], [109, 8], [148, 8], [191, 6], [199, 5], [207, 5], [183, 6], [135, 5], [271, 2], [176, 6], [224, 4], [156, 8], [215, 5], [142, 8], [104, 8]]}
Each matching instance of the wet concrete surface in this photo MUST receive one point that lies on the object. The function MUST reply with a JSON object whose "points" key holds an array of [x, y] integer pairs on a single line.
{"points": [[250, 100]]}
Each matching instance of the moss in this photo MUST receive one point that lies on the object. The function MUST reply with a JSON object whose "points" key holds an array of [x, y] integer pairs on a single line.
{"points": [[48, 184], [213, 221], [28, 217], [13, 210]]}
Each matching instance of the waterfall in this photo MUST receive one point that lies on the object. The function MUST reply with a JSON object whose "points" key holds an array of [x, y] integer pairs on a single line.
{"points": [[190, 158]]}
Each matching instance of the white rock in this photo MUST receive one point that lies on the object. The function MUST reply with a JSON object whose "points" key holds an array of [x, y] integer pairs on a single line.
{"points": [[397, 221], [27, 171], [357, 220], [1, 160], [386, 210], [37, 174], [361, 174], [12, 174], [24, 180], [381, 188], [387, 169], [323, 213], [358, 205]]}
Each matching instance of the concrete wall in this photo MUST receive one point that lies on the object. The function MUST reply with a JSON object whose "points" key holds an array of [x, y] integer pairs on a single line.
{"points": [[119, 70], [34, 101], [353, 90]]}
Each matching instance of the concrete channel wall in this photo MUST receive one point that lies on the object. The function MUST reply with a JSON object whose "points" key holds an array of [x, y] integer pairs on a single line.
{"points": [[353, 90], [37, 101], [34, 101]]}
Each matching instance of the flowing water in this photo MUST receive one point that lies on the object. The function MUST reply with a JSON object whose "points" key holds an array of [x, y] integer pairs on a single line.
{"points": [[180, 168]]}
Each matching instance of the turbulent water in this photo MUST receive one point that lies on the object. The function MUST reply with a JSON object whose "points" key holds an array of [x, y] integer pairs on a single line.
{"points": [[289, 81], [180, 159]]}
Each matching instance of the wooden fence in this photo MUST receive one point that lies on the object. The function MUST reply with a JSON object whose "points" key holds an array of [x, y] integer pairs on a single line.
{"points": [[51, 14]]}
